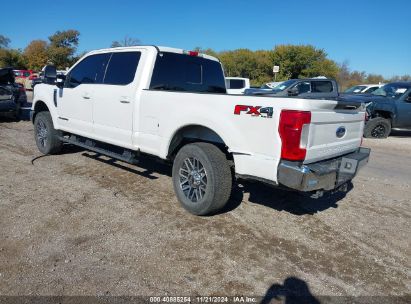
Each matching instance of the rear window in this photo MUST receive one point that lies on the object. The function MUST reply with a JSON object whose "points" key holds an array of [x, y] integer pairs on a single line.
{"points": [[235, 84], [321, 86], [179, 72]]}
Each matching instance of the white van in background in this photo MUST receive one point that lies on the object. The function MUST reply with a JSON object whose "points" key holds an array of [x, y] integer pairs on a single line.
{"points": [[236, 85]]}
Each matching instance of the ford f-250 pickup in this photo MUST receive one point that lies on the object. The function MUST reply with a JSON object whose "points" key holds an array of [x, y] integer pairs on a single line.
{"points": [[172, 104]]}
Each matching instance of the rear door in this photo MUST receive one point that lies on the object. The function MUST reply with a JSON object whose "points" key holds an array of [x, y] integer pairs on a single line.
{"points": [[115, 98]]}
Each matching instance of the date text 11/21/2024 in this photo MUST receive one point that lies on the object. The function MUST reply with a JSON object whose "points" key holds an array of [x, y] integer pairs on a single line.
{"points": [[203, 299]]}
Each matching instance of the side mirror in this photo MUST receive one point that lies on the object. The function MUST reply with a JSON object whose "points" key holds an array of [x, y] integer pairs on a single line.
{"points": [[408, 99], [293, 91], [50, 73], [60, 80]]}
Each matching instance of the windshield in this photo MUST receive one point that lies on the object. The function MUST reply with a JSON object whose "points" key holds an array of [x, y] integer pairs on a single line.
{"points": [[355, 89], [284, 85], [393, 90]]}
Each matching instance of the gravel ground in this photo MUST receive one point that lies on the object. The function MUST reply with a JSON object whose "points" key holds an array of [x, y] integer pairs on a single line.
{"points": [[77, 224]]}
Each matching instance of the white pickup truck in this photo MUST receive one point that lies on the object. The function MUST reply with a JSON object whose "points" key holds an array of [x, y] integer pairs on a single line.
{"points": [[172, 104]]}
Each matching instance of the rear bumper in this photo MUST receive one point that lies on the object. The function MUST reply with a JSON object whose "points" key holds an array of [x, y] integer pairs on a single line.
{"points": [[323, 175]]}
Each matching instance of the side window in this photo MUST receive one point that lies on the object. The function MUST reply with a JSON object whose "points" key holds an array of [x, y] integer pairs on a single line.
{"points": [[237, 84], [303, 87], [184, 73], [370, 90], [89, 70], [122, 68], [321, 86]]}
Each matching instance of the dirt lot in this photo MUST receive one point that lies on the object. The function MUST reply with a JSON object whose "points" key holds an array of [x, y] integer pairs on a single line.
{"points": [[74, 224]]}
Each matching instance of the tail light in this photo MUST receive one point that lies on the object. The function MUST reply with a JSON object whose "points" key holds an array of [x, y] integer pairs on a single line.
{"points": [[290, 129]]}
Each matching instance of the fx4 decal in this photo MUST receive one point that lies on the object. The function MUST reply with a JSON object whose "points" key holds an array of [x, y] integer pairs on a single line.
{"points": [[258, 111]]}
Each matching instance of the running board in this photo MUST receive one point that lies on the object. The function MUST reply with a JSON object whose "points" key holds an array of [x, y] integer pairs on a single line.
{"points": [[126, 155]]}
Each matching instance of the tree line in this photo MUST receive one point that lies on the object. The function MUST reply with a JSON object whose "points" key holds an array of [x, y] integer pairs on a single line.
{"points": [[295, 61]]}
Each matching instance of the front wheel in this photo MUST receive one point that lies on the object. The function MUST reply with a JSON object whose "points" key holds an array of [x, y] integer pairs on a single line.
{"points": [[202, 178], [47, 138], [378, 127]]}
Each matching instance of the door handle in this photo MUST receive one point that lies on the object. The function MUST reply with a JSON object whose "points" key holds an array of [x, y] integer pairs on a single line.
{"points": [[86, 95], [125, 99]]}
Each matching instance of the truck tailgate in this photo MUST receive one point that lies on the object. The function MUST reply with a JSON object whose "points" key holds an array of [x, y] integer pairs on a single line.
{"points": [[333, 133]]}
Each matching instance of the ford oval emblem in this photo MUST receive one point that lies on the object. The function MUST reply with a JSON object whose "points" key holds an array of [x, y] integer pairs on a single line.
{"points": [[340, 132]]}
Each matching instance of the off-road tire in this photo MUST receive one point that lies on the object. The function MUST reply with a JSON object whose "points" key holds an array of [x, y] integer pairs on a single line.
{"points": [[377, 127], [47, 138], [218, 178]]}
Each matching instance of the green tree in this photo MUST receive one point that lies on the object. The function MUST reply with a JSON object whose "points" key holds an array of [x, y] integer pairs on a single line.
{"points": [[62, 47], [301, 61], [126, 41], [374, 78], [36, 54], [12, 58], [4, 42]]}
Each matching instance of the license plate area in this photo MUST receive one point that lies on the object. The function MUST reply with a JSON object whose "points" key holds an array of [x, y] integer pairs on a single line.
{"points": [[347, 170], [350, 165]]}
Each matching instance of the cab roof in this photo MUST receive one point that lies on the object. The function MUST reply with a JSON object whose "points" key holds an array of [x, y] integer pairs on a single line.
{"points": [[159, 49]]}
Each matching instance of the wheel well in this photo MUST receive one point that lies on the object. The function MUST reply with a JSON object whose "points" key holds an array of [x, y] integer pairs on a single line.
{"points": [[40, 107], [195, 133], [383, 114]]}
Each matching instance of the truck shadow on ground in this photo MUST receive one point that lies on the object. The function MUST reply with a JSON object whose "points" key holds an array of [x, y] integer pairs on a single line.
{"points": [[288, 201], [258, 193], [146, 166], [292, 291]]}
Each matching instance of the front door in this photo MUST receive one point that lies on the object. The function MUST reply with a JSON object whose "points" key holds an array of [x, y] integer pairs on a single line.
{"points": [[75, 101], [404, 111]]}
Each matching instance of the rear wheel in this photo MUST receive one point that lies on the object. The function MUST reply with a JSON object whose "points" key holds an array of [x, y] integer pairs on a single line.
{"points": [[378, 127], [202, 178], [47, 138]]}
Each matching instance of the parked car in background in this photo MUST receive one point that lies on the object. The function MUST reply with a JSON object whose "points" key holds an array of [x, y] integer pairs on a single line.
{"points": [[271, 85], [388, 107], [12, 94], [363, 89], [236, 85], [18, 74], [36, 81], [266, 87], [25, 77], [305, 88]]}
